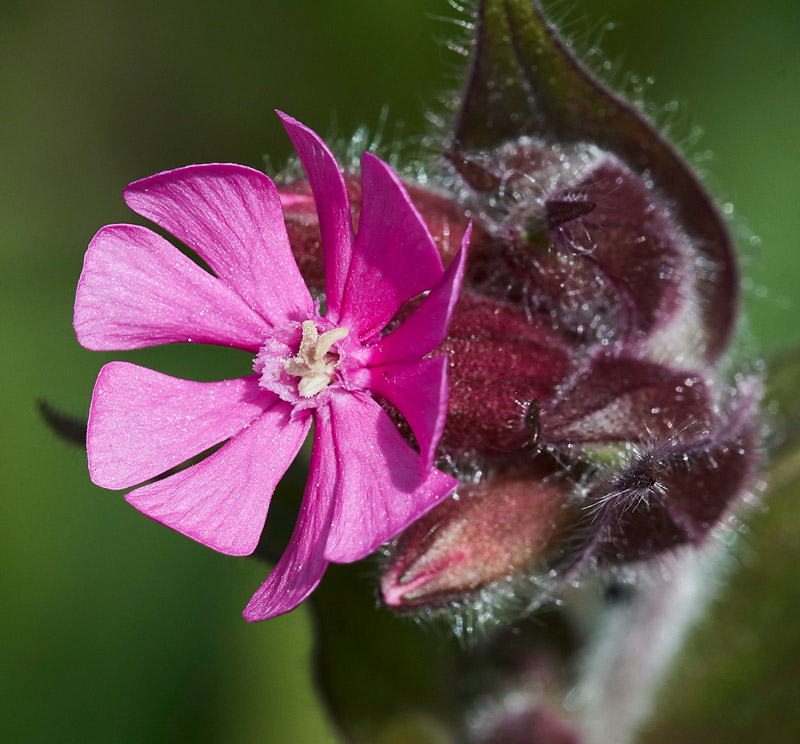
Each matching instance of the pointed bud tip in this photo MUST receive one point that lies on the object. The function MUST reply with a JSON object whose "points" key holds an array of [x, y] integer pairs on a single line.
{"points": [[492, 530]]}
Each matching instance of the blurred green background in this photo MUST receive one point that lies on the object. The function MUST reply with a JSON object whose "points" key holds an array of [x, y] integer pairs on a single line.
{"points": [[114, 629]]}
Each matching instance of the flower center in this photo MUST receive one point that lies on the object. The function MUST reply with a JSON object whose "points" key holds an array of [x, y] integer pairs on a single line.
{"points": [[312, 364]]}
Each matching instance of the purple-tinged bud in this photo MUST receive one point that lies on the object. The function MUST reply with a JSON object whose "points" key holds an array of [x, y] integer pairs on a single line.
{"points": [[625, 399], [526, 83], [675, 492], [560, 211], [489, 170], [599, 293], [501, 366], [630, 237], [585, 240], [488, 532]]}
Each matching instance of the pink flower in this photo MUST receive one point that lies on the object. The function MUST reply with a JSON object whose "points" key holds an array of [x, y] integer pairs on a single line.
{"points": [[366, 483]]}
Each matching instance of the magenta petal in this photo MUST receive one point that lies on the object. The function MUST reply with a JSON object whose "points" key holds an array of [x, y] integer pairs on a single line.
{"points": [[394, 258], [426, 327], [142, 423], [138, 290], [376, 476], [419, 391], [222, 502], [333, 209], [303, 562], [231, 216]]}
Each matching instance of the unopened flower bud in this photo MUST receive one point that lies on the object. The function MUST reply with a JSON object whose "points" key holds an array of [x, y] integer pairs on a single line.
{"points": [[674, 493], [495, 529]]}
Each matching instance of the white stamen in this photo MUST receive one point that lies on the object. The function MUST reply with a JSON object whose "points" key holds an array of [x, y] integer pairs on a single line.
{"points": [[310, 364]]}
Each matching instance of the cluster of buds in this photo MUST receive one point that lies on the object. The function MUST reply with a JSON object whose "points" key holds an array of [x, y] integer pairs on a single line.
{"points": [[590, 415], [593, 421]]}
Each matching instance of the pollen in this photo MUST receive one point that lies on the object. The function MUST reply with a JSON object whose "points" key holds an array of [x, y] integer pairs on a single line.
{"points": [[313, 364]]}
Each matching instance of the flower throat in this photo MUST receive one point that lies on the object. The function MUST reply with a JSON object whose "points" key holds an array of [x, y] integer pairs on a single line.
{"points": [[312, 364]]}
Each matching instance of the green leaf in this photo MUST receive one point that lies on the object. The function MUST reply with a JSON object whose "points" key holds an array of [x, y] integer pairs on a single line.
{"points": [[736, 679], [525, 80]]}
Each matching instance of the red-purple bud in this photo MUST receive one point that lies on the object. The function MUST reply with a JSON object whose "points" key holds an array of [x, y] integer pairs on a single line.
{"points": [[673, 493], [600, 292], [492, 530], [502, 366]]}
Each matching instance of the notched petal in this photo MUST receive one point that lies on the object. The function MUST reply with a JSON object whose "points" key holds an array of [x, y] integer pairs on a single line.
{"points": [[303, 563], [138, 290], [231, 216], [380, 487], [222, 502], [394, 257], [426, 327], [332, 207], [142, 423], [419, 391]]}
